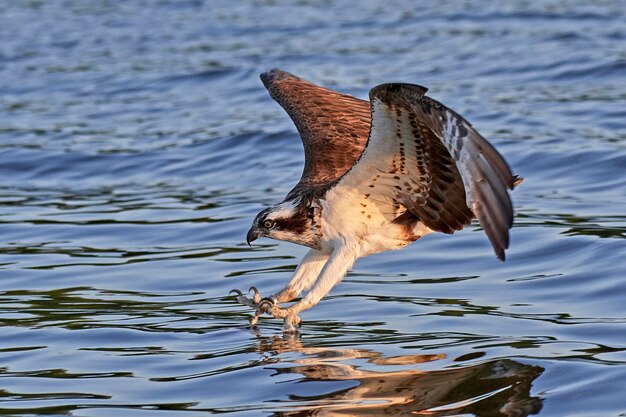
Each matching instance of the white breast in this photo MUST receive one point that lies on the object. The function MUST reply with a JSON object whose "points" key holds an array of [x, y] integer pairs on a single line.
{"points": [[348, 215]]}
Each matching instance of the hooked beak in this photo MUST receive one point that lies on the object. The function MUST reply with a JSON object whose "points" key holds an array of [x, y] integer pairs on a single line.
{"points": [[252, 235]]}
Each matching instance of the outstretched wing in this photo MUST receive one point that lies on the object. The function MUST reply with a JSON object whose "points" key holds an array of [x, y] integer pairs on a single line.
{"points": [[334, 127], [426, 157]]}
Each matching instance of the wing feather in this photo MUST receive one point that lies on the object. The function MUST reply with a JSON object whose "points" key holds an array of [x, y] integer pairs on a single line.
{"points": [[402, 148], [333, 127], [455, 173]]}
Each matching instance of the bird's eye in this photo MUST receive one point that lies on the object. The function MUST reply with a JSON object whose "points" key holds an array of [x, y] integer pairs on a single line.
{"points": [[268, 224]]}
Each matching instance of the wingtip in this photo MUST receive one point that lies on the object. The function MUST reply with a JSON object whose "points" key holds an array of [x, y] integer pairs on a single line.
{"points": [[273, 75]]}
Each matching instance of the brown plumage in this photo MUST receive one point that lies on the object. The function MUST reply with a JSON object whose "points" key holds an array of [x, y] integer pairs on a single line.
{"points": [[333, 128], [431, 158], [458, 160]]}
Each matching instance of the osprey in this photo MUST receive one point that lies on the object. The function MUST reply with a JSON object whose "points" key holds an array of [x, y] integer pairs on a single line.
{"points": [[377, 176]]}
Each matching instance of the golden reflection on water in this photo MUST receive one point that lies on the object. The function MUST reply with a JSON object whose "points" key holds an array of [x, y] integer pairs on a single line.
{"points": [[397, 387]]}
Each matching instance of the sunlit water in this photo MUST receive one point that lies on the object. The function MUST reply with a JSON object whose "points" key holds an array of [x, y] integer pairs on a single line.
{"points": [[137, 143]]}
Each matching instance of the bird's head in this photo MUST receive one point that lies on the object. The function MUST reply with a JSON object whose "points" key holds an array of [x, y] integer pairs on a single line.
{"points": [[287, 221]]}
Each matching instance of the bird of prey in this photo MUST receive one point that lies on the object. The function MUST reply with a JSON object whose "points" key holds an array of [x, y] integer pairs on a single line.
{"points": [[377, 176]]}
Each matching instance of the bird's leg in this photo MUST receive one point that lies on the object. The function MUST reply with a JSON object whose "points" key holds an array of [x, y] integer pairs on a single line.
{"points": [[305, 274], [333, 271]]}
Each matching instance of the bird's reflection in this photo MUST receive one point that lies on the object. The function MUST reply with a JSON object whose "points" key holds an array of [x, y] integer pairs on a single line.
{"points": [[396, 386]]}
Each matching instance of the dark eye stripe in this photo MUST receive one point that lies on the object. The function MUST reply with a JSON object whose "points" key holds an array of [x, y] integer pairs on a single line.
{"points": [[293, 224]]}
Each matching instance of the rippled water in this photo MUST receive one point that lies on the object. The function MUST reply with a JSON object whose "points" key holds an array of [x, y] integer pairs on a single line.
{"points": [[137, 143]]}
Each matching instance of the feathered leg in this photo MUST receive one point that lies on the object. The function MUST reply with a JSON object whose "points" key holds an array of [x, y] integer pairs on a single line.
{"points": [[333, 271], [305, 274]]}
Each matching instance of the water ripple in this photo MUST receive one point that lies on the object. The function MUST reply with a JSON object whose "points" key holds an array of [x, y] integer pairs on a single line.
{"points": [[132, 161]]}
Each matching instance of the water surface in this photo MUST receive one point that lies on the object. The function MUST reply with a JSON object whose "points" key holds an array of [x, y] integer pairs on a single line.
{"points": [[137, 144]]}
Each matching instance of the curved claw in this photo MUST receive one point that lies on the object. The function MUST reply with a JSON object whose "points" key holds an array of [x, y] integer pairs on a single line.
{"points": [[266, 304], [243, 300], [257, 295]]}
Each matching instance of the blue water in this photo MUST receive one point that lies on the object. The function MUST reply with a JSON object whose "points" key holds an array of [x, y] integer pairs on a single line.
{"points": [[137, 144]]}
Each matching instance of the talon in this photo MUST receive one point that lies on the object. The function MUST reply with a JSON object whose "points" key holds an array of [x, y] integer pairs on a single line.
{"points": [[243, 300], [266, 305], [257, 295], [270, 300], [254, 319]]}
